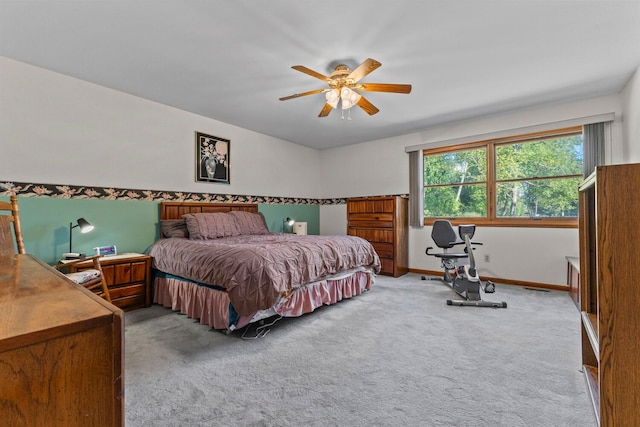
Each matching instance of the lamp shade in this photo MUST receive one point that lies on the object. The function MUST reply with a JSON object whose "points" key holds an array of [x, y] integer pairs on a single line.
{"points": [[84, 225]]}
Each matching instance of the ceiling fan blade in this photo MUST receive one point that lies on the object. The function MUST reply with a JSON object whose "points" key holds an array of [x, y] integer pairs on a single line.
{"points": [[310, 72], [298, 95], [383, 87], [363, 69], [368, 107], [325, 110]]}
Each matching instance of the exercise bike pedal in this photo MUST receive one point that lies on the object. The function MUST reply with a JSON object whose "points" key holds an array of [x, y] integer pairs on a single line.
{"points": [[489, 287]]}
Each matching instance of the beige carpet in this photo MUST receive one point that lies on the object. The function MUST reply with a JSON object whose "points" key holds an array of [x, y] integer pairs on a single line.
{"points": [[394, 356]]}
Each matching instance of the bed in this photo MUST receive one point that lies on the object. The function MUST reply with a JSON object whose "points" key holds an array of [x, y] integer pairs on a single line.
{"points": [[218, 262]]}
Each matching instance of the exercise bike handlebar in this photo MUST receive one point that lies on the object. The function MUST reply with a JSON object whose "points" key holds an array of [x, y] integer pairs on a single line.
{"points": [[433, 254], [462, 242]]}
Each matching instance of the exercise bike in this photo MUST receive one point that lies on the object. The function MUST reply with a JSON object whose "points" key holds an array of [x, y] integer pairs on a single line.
{"points": [[460, 268]]}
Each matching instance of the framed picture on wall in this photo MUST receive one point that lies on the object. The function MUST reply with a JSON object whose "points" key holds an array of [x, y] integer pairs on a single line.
{"points": [[212, 158]]}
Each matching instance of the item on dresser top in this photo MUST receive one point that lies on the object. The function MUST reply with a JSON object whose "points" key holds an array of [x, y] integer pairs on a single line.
{"points": [[105, 250]]}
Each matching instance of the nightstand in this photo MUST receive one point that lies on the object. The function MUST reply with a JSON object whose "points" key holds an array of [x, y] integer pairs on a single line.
{"points": [[128, 277]]}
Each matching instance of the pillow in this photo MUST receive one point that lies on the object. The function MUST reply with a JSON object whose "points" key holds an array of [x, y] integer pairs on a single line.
{"points": [[211, 225], [250, 222], [174, 228], [83, 276]]}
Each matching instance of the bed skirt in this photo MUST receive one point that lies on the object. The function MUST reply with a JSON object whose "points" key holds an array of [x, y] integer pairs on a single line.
{"points": [[212, 306]]}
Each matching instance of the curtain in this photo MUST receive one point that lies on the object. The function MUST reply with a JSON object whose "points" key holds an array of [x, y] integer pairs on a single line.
{"points": [[416, 189], [595, 137]]}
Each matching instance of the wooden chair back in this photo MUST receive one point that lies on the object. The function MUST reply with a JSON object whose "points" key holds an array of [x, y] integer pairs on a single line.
{"points": [[99, 282], [7, 222]]}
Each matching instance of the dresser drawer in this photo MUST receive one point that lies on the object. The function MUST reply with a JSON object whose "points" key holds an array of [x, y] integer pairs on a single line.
{"points": [[357, 216], [386, 266], [384, 250], [371, 206], [371, 224], [371, 234]]}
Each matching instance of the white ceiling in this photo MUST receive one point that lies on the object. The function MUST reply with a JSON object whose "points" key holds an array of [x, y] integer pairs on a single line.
{"points": [[231, 59]]}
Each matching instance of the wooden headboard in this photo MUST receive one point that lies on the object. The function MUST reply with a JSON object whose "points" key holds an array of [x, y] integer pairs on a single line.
{"points": [[175, 210]]}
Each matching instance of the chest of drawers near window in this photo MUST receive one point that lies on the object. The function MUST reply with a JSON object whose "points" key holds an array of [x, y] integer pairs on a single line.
{"points": [[383, 222]]}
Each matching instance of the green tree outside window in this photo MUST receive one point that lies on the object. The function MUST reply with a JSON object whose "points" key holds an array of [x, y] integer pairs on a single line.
{"points": [[532, 179]]}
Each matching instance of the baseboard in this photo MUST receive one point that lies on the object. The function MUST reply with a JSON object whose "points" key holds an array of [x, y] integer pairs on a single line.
{"points": [[500, 280]]}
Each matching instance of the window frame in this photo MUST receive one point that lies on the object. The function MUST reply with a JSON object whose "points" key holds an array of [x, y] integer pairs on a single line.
{"points": [[491, 183]]}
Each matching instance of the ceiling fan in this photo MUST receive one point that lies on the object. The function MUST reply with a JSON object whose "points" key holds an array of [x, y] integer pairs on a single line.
{"points": [[344, 86]]}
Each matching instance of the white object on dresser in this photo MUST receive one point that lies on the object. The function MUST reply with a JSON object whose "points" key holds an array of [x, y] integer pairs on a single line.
{"points": [[300, 228]]}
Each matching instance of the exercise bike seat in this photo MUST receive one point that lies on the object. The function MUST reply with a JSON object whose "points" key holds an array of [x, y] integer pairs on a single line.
{"points": [[447, 255], [445, 237]]}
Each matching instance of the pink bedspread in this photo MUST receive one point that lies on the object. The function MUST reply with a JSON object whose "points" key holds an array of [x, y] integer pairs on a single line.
{"points": [[255, 270]]}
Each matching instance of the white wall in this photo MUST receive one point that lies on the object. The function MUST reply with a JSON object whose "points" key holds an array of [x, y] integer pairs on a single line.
{"points": [[631, 119], [333, 219], [524, 254], [60, 130], [369, 169]]}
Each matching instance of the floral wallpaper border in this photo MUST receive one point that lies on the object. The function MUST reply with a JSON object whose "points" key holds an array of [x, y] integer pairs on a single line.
{"points": [[27, 189]]}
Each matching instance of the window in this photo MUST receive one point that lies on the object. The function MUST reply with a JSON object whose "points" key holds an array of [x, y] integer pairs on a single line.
{"points": [[529, 180]]}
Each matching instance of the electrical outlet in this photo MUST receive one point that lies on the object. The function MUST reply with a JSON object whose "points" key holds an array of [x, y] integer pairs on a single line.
{"points": [[487, 258]]}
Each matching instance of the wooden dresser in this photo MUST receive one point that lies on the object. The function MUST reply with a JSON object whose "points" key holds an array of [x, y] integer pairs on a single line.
{"points": [[61, 350], [128, 277], [609, 293], [383, 221]]}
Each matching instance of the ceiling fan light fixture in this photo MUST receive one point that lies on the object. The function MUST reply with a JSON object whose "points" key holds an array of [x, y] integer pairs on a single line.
{"points": [[333, 97], [349, 98]]}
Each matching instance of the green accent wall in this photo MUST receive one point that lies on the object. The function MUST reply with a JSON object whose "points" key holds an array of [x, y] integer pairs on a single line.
{"points": [[131, 225], [276, 214]]}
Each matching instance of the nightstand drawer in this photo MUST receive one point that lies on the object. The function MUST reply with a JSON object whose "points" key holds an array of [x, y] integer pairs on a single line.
{"points": [[129, 272], [126, 291], [131, 302]]}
